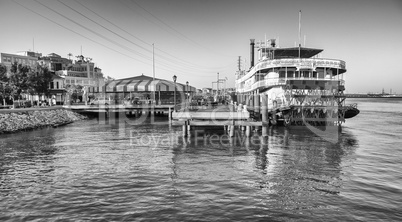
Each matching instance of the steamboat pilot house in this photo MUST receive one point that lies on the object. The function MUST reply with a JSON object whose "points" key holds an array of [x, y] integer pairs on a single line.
{"points": [[296, 84]]}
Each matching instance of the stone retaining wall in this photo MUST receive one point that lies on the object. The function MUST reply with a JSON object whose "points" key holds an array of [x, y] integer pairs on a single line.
{"points": [[14, 122]]}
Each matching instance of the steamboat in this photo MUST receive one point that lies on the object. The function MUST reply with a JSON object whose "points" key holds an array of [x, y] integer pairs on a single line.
{"points": [[295, 84]]}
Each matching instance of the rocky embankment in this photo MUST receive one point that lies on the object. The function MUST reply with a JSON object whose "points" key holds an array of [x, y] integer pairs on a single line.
{"points": [[14, 122]]}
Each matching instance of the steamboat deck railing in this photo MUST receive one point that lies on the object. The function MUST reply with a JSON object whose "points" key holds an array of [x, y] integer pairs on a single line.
{"points": [[293, 62], [272, 82]]}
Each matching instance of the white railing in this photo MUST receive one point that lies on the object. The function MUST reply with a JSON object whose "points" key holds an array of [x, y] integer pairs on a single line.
{"points": [[271, 82], [294, 62]]}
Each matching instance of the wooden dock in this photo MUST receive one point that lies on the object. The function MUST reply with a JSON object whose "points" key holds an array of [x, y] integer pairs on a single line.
{"points": [[227, 116], [134, 110]]}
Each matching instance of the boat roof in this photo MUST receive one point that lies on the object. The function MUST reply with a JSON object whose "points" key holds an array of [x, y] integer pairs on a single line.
{"points": [[293, 52]]}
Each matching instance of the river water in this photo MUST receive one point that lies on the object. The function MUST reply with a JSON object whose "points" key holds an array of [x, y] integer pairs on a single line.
{"points": [[89, 170]]}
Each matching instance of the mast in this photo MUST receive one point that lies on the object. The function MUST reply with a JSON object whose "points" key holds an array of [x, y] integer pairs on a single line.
{"points": [[299, 31], [153, 72], [299, 41]]}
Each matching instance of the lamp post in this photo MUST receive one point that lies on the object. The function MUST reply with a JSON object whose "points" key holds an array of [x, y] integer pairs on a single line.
{"points": [[188, 96], [217, 85], [174, 80]]}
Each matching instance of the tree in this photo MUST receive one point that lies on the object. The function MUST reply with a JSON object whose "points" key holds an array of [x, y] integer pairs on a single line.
{"points": [[24, 79], [3, 73], [39, 81], [19, 79], [3, 83]]}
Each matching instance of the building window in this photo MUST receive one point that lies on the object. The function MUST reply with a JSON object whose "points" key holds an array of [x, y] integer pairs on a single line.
{"points": [[57, 85], [52, 85]]}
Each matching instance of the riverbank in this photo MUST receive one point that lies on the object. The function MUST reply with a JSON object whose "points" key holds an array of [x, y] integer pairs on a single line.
{"points": [[33, 119]]}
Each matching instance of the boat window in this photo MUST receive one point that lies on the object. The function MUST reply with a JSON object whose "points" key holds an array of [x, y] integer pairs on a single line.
{"points": [[321, 74], [314, 74], [305, 74]]}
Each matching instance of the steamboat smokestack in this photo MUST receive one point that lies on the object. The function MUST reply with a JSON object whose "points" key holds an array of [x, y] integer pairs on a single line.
{"points": [[251, 52]]}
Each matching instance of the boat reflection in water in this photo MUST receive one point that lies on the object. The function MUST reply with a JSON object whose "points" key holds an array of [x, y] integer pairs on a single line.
{"points": [[291, 168], [152, 172]]}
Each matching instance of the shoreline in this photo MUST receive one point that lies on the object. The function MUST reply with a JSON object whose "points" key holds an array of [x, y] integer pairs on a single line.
{"points": [[23, 120]]}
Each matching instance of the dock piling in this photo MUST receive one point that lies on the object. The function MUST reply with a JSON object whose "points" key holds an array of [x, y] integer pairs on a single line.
{"points": [[231, 130], [264, 112], [185, 133], [248, 131], [257, 103], [170, 115]]}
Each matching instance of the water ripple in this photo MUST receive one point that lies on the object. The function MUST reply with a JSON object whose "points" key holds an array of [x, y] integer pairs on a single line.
{"points": [[91, 171]]}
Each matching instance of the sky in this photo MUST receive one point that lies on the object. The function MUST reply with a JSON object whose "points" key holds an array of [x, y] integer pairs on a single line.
{"points": [[197, 39]]}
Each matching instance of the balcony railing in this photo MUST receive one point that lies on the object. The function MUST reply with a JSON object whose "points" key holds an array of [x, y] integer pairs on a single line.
{"points": [[271, 82], [293, 62]]}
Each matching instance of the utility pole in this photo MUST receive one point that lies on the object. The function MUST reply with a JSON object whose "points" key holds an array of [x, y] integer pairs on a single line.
{"points": [[217, 85], [174, 80]]}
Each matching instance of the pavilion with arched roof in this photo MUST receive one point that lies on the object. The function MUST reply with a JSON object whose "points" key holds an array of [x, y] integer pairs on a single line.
{"points": [[143, 87]]}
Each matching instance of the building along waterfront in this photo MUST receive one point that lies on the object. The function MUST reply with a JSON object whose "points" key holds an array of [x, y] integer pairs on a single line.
{"points": [[66, 72]]}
